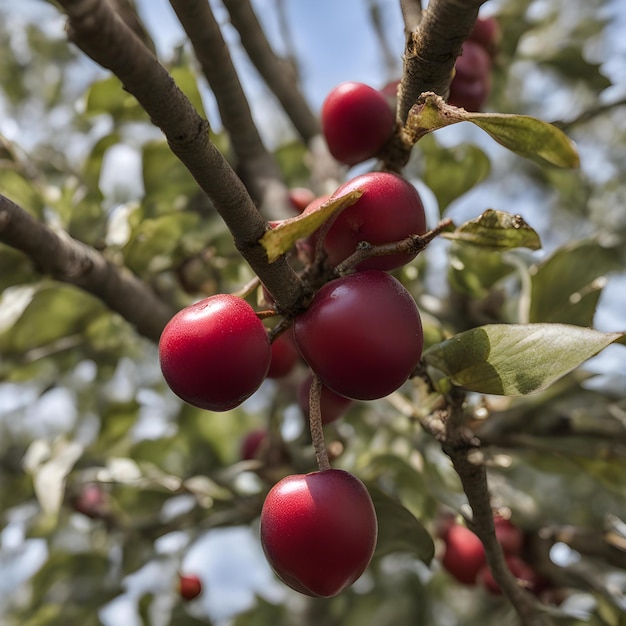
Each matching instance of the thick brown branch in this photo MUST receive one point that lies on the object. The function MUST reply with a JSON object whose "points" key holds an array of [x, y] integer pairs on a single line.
{"points": [[462, 447], [95, 28], [277, 73], [255, 164], [433, 48], [73, 262]]}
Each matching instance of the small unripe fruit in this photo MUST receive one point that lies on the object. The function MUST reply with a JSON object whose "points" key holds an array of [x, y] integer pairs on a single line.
{"points": [[319, 531], [215, 353], [357, 121], [189, 586]]}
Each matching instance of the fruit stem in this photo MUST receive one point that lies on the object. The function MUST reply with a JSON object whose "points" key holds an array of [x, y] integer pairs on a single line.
{"points": [[315, 422]]}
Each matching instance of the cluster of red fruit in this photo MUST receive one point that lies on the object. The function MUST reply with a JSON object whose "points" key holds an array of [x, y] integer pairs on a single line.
{"points": [[471, 84], [464, 556], [360, 335]]}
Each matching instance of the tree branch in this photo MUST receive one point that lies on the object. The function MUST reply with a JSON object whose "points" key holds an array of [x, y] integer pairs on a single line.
{"points": [[95, 28], [256, 165], [73, 262], [463, 448], [278, 74]]}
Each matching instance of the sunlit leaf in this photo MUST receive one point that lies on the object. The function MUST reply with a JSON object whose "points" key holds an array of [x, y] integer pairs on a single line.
{"points": [[516, 359], [497, 230], [566, 287], [280, 239], [524, 135]]}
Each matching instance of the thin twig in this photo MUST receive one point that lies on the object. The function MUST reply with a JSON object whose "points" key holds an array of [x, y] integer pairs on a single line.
{"points": [[73, 262]]}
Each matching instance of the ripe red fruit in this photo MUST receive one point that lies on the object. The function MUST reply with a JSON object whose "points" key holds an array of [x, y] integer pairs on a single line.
{"points": [[251, 442], [332, 405], [215, 353], [471, 84], [509, 536], [356, 121], [520, 569], [362, 335], [389, 210], [285, 355], [464, 555], [189, 586], [92, 501], [300, 198], [487, 34], [319, 531]]}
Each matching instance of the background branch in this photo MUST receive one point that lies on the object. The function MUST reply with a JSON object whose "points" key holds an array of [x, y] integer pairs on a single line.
{"points": [[463, 448], [95, 28], [73, 262], [256, 166], [278, 74]]}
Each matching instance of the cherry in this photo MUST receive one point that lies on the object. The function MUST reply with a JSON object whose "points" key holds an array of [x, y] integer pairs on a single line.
{"points": [[285, 355], [356, 122], [519, 568], [215, 353], [389, 210], [300, 198], [189, 586], [487, 34], [509, 536], [251, 443], [319, 531], [464, 555], [92, 501], [361, 334], [332, 405], [471, 84]]}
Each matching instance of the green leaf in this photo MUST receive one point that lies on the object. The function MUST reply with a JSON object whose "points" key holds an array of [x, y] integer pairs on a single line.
{"points": [[280, 239], [107, 97], [186, 80], [566, 287], [398, 529], [451, 172], [474, 270], [497, 230], [524, 135], [516, 359]]}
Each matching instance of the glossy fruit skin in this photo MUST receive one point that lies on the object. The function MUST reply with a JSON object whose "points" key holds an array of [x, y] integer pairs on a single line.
{"points": [[362, 335], [471, 84], [357, 121], [389, 210], [318, 531], [215, 353], [189, 586], [300, 198], [464, 555], [332, 405]]}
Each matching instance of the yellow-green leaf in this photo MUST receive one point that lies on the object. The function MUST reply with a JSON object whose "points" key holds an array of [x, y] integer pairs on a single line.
{"points": [[280, 239], [497, 230], [524, 135]]}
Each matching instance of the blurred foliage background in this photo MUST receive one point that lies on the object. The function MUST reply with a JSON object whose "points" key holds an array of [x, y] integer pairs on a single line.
{"points": [[82, 400]]}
